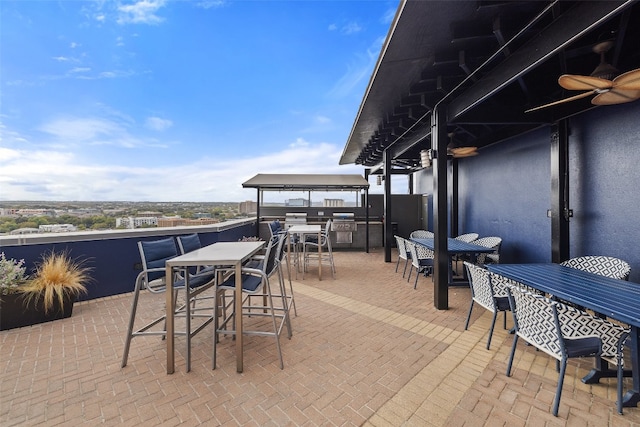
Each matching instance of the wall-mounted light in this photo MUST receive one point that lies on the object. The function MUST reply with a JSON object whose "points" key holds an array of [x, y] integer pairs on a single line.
{"points": [[425, 158]]}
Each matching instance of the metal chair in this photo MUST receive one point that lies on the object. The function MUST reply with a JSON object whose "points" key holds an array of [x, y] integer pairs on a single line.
{"points": [[421, 234], [602, 265], [561, 331], [492, 296], [256, 283], [403, 253], [467, 237], [153, 256], [421, 260], [325, 243], [489, 242], [189, 243]]}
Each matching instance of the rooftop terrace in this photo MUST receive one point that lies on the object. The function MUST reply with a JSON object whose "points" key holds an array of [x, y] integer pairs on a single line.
{"points": [[367, 349]]}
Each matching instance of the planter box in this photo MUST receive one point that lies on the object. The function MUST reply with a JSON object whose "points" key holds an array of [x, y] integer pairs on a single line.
{"points": [[14, 313]]}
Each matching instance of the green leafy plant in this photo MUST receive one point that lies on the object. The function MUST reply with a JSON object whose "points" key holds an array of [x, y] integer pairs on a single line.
{"points": [[56, 275], [12, 274]]}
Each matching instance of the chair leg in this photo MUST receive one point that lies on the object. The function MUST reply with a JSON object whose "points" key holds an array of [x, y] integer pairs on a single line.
{"points": [[397, 264], [493, 324], [621, 344], [404, 270], [466, 325], [415, 283], [513, 352], [132, 319], [556, 401]]}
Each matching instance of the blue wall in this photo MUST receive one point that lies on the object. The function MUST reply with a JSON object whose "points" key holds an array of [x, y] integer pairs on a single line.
{"points": [[506, 190], [114, 262]]}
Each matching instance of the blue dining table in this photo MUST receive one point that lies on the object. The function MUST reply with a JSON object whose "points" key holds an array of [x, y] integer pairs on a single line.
{"points": [[455, 247], [616, 299]]}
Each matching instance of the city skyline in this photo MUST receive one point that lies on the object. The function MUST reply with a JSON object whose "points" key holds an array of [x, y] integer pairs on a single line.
{"points": [[178, 101]]}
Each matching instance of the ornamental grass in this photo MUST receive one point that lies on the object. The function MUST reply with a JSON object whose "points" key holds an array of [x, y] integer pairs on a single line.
{"points": [[56, 275]]}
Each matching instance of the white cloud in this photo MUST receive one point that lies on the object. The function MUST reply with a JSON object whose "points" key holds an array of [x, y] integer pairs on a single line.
{"points": [[158, 124], [80, 70], [208, 4], [351, 28], [360, 69], [140, 12], [59, 175]]}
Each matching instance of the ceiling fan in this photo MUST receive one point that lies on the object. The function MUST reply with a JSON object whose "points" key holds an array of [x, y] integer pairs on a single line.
{"points": [[624, 88], [459, 150]]}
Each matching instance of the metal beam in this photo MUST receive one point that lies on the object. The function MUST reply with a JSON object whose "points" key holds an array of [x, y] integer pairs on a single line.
{"points": [[440, 218], [560, 211], [388, 234], [574, 23]]}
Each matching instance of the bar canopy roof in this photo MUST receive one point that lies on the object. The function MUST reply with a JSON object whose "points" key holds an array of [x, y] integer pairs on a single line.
{"points": [[306, 182]]}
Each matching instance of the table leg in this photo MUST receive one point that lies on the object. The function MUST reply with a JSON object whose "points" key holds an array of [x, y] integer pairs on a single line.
{"points": [[632, 397], [238, 317], [320, 255], [169, 320]]}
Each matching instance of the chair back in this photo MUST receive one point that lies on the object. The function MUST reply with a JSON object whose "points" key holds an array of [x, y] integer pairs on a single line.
{"points": [[271, 254], [413, 250], [602, 265], [468, 237], [421, 234], [154, 255], [402, 248], [488, 242], [189, 243], [480, 284], [536, 321], [275, 227]]}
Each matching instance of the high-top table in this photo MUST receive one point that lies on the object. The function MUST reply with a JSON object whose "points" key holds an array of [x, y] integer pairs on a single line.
{"points": [[454, 247], [303, 230], [617, 299], [221, 253]]}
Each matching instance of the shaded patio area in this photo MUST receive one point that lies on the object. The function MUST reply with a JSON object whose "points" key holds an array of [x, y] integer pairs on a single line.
{"points": [[367, 349]]}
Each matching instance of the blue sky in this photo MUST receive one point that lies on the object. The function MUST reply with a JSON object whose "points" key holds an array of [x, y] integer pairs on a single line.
{"points": [[158, 100]]}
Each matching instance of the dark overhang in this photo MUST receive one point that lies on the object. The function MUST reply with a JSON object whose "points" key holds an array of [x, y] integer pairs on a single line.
{"points": [[489, 61]]}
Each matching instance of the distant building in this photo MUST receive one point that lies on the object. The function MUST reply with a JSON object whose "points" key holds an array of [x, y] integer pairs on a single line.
{"points": [[248, 207], [57, 228], [36, 212], [136, 222], [299, 202], [177, 221], [333, 203], [26, 230]]}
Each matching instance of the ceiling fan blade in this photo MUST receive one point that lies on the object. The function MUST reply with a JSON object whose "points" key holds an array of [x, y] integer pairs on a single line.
{"points": [[628, 81], [577, 82], [562, 101], [463, 150], [616, 96], [460, 152]]}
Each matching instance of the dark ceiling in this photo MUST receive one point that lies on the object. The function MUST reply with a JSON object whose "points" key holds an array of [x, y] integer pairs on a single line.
{"points": [[486, 62]]}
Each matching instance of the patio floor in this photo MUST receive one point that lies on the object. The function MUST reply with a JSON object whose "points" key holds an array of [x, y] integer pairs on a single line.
{"points": [[367, 349]]}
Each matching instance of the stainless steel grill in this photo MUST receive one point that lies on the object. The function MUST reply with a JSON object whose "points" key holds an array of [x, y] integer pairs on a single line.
{"points": [[294, 218], [344, 225]]}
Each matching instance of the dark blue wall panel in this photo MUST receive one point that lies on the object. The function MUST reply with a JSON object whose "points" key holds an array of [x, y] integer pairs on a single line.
{"points": [[506, 190], [605, 183], [114, 262]]}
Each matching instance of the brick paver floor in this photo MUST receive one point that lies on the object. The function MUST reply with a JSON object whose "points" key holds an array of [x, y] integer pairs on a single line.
{"points": [[367, 349]]}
